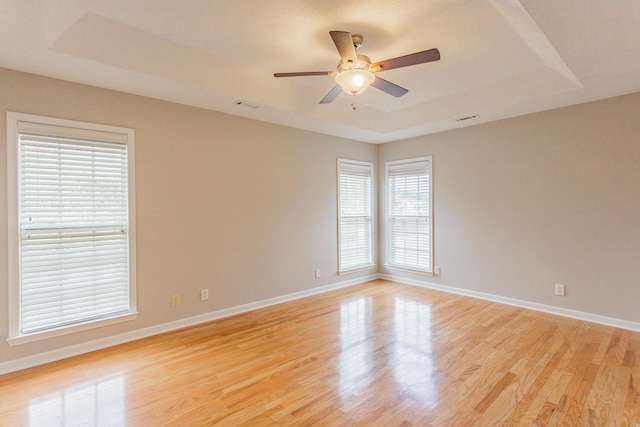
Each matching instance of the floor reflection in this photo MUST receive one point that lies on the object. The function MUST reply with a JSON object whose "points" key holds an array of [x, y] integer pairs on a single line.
{"points": [[100, 402], [412, 360], [355, 361]]}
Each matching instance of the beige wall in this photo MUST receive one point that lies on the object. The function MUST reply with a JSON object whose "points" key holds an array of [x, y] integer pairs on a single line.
{"points": [[245, 208], [524, 203], [248, 209]]}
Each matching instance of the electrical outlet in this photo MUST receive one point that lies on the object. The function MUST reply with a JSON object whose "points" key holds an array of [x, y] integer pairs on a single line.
{"points": [[560, 289], [175, 300], [204, 294], [317, 273], [436, 270]]}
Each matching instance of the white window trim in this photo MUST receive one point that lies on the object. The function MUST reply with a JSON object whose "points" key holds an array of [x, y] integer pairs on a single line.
{"points": [[341, 270], [430, 269], [15, 337]]}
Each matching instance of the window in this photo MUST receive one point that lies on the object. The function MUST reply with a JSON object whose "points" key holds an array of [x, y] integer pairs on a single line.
{"points": [[71, 229], [410, 238], [355, 236]]}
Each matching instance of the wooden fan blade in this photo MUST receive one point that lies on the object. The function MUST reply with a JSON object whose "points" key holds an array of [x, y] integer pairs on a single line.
{"points": [[404, 61], [388, 87], [306, 73], [344, 43], [333, 93]]}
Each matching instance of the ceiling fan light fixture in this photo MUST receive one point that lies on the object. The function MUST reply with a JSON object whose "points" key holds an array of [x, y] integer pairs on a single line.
{"points": [[355, 72], [355, 82]]}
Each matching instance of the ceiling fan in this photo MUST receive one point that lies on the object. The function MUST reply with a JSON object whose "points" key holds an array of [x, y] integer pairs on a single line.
{"points": [[355, 72]]}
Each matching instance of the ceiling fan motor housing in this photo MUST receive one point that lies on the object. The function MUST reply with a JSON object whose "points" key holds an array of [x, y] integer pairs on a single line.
{"points": [[363, 63]]}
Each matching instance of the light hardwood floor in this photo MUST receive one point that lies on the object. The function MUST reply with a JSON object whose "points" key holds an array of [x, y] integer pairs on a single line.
{"points": [[380, 353]]}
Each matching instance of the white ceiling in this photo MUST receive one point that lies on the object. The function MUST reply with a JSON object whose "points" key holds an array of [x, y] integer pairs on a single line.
{"points": [[500, 58]]}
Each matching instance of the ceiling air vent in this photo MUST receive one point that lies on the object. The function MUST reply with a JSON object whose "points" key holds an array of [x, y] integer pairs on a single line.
{"points": [[245, 104], [462, 119]]}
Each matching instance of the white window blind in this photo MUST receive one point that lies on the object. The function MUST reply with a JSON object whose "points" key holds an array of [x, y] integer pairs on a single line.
{"points": [[355, 214], [73, 225], [410, 243]]}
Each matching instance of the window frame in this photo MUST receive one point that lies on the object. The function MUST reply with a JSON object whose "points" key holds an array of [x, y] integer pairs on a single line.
{"points": [[15, 336], [429, 269], [372, 218]]}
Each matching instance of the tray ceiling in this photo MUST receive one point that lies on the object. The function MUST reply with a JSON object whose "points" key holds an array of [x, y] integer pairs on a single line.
{"points": [[500, 58]]}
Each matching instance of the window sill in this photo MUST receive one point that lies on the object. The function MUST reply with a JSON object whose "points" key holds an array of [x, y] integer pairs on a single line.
{"points": [[356, 269], [51, 333], [410, 270]]}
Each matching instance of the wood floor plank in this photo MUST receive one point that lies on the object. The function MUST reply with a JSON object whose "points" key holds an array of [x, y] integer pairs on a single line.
{"points": [[376, 354], [530, 397]]}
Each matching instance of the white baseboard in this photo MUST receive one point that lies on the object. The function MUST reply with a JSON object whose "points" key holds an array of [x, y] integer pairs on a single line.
{"points": [[574, 314], [74, 350]]}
